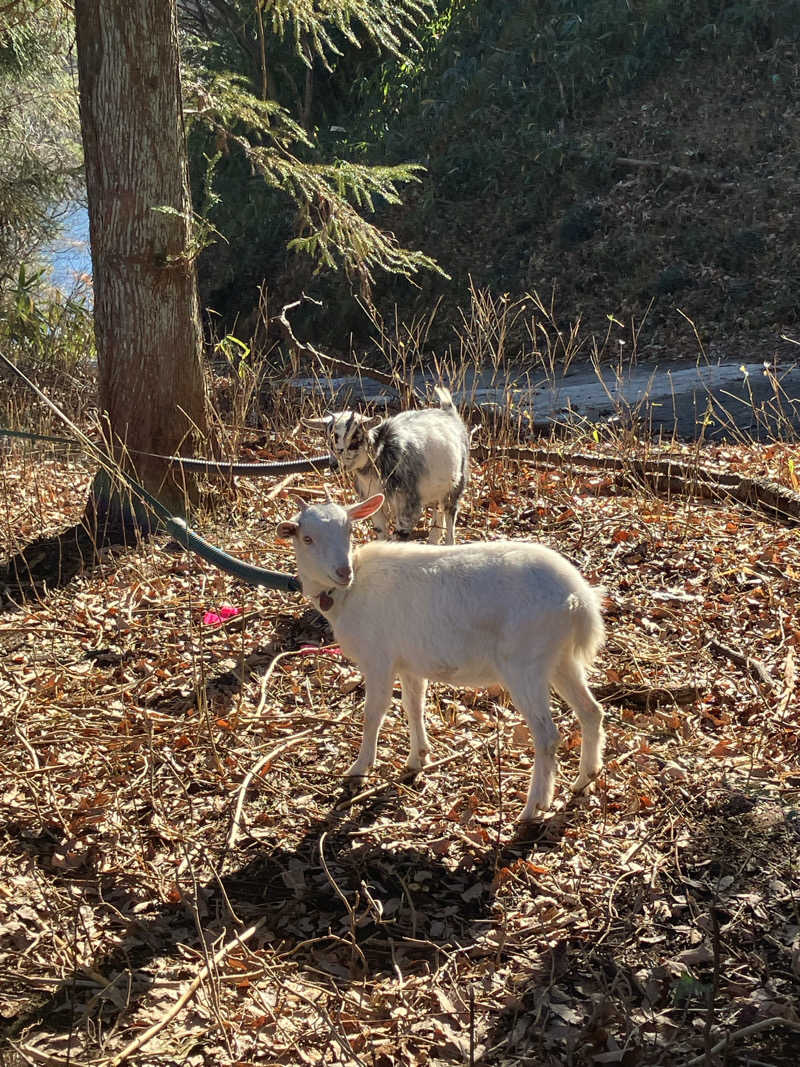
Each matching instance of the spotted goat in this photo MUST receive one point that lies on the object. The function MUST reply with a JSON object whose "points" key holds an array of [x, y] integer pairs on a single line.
{"points": [[416, 459]]}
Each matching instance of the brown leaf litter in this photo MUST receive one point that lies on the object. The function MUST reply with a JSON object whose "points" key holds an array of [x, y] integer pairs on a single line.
{"points": [[184, 880]]}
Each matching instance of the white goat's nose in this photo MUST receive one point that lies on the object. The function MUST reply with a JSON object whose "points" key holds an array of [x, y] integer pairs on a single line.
{"points": [[344, 572]]}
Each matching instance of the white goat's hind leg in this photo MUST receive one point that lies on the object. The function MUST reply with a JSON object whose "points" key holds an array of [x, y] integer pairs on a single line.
{"points": [[530, 693], [376, 704], [570, 683], [414, 689], [451, 506], [437, 526]]}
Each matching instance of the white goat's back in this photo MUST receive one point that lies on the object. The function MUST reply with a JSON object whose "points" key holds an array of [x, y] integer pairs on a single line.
{"points": [[464, 614]]}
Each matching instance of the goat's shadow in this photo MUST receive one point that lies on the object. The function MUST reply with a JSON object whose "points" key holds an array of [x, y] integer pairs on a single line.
{"points": [[428, 907]]}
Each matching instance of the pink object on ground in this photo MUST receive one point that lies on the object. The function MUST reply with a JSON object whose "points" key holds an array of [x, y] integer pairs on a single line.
{"points": [[213, 618]]}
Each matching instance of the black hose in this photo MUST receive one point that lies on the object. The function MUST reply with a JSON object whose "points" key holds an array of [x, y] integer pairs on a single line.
{"points": [[248, 572], [26, 435], [202, 466], [177, 527], [246, 470]]}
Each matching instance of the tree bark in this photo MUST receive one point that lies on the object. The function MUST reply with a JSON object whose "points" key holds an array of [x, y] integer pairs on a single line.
{"points": [[146, 310]]}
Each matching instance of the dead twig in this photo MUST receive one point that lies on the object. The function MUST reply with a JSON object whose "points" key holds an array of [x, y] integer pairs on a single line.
{"points": [[34, 1056], [348, 802], [750, 663], [233, 833], [262, 703], [329, 362], [737, 1035], [355, 949], [276, 490], [647, 696], [143, 1038]]}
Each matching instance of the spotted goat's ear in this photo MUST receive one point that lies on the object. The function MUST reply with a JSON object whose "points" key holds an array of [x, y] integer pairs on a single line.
{"points": [[318, 424]]}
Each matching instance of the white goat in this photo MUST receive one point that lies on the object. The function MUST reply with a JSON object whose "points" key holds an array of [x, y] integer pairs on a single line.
{"points": [[416, 459], [506, 613]]}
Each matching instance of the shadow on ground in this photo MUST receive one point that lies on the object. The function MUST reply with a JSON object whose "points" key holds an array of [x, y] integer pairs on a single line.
{"points": [[53, 561], [293, 890], [712, 915]]}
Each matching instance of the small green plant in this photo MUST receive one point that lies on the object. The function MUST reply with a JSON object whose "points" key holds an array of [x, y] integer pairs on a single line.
{"points": [[688, 989], [42, 325]]}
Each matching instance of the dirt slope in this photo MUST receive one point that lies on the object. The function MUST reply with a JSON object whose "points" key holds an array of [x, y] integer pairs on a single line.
{"points": [[682, 195]]}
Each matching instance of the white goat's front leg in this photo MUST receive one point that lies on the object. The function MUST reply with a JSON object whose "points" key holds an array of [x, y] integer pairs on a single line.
{"points": [[532, 698], [376, 704], [368, 485], [570, 683], [414, 689], [451, 513]]}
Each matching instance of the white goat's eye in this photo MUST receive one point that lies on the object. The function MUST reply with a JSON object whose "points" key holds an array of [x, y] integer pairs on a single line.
{"points": [[308, 540]]}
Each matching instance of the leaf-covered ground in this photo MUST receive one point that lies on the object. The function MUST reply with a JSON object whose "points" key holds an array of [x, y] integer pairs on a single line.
{"points": [[178, 852]]}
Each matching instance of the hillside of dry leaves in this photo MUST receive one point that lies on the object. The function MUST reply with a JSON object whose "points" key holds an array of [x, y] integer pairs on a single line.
{"points": [[184, 880]]}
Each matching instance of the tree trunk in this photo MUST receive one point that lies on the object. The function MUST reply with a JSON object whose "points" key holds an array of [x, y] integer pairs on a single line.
{"points": [[146, 311]]}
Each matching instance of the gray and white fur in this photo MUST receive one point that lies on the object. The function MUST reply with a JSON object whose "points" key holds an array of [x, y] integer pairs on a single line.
{"points": [[416, 459]]}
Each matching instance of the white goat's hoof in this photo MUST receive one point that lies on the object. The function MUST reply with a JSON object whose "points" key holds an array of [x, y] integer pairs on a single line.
{"points": [[528, 825], [357, 774], [583, 781], [417, 764], [533, 816]]}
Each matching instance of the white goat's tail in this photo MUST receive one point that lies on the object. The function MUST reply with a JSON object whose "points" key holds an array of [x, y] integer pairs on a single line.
{"points": [[444, 398], [590, 631]]}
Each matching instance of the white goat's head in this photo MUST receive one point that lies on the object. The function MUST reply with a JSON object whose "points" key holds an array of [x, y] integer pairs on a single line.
{"points": [[348, 434], [320, 535]]}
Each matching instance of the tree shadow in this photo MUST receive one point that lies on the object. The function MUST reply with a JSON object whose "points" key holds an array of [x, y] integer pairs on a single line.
{"points": [[429, 909], [638, 992], [54, 560]]}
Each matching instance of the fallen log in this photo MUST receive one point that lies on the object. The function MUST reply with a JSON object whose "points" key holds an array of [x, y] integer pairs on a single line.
{"points": [[667, 475]]}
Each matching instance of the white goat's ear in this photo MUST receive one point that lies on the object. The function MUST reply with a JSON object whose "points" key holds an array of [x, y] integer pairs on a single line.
{"points": [[299, 502], [287, 529], [318, 424], [365, 508]]}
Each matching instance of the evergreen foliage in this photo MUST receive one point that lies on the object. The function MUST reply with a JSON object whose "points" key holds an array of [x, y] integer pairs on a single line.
{"points": [[312, 203], [496, 83]]}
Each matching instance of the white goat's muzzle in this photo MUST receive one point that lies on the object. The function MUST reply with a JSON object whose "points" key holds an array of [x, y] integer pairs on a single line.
{"points": [[343, 575]]}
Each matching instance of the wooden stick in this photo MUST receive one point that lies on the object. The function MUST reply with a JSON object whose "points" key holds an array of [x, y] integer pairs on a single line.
{"points": [[276, 490], [187, 995], [669, 474], [754, 666], [746, 1031], [331, 362], [270, 670], [237, 815]]}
